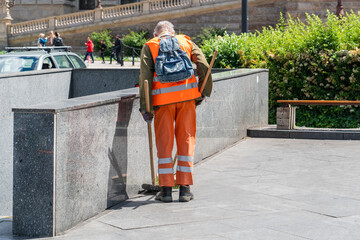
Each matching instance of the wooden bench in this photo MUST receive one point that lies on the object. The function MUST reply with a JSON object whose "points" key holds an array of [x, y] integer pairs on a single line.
{"points": [[285, 115]]}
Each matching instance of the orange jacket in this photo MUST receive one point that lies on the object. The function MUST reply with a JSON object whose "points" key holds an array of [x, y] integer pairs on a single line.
{"points": [[167, 93]]}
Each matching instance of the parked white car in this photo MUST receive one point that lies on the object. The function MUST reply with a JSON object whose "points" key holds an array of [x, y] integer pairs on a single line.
{"points": [[21, 59]]}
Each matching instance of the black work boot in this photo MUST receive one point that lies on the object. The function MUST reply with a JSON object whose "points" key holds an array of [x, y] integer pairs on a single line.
{"points": [[164, 195], [185, 194]]}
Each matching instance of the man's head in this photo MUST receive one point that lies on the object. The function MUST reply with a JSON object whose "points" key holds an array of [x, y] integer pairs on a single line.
{"points": [[164, 27], [117, 36], [57, 34], [88, 39]]}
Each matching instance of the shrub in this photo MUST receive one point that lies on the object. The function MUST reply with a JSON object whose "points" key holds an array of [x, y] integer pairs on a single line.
{"points": [[105, 35], [135, 40], [316, 60], [209, 33]]}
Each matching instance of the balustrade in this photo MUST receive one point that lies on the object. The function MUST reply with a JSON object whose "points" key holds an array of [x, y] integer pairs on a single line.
{"points": [[119, 11], [206, 1], [75, 18], [29, 26], [157, 5], [98, 15]]}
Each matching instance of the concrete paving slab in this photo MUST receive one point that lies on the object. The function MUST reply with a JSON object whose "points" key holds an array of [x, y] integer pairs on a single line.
{"points": [[261, 234], [308, 225], [327, 204], [98, 64], [257, 189], [5, 228]]}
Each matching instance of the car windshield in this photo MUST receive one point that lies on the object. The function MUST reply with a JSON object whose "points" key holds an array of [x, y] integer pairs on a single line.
{"points": [[10, 64]]}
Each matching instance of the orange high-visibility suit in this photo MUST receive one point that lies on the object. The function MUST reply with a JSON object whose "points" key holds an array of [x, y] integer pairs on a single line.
{"points": [[174, 103]]}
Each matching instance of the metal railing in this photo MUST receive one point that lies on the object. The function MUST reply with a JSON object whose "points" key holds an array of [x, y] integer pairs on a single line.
{"points": [[105, 14]]}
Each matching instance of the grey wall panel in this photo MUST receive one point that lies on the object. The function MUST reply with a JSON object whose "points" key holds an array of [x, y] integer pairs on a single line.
{"points": [[33, 169], [21, 90], [235, 105], [93, 81]]}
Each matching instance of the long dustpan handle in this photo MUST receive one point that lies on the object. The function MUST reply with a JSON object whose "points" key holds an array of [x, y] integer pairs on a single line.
{"points": [[147, 100]]}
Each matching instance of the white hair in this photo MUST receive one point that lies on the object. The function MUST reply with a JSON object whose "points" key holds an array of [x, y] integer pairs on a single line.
{"points": [[164, 26]]}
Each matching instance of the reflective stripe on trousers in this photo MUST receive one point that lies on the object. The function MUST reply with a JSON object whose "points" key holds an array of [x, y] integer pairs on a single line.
{"points": [[184, 116]]}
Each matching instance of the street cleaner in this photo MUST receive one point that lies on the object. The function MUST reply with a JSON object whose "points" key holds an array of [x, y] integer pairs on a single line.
{"points": [[174, 93]]}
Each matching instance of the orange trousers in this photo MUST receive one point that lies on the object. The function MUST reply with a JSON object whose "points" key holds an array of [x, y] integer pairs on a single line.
{"points": [[184, 116]]}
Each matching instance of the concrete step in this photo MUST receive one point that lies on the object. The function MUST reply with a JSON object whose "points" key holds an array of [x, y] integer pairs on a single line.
{"points": [[270, 131]]}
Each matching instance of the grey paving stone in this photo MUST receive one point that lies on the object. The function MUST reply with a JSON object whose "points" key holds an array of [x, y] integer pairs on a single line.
{"points": [[319, 227], [5, 228], [351, 219], [258, 189], [327, 204], [261, 234]]}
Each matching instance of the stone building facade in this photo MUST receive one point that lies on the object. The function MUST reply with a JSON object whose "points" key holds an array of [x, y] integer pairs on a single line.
{"points": [[25, 10], [261, 13]]}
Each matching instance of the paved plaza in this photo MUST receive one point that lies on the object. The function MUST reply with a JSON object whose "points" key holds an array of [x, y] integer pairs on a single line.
{"points": [[259, 188], [99, 64]]}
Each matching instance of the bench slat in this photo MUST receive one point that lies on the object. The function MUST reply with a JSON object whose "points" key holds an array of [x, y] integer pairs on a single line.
{"points": [[318, 102]]}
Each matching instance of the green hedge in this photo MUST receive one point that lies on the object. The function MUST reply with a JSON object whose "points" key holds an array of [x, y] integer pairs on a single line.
{"points": [[105, 35], [313, 60], [135, 40]]}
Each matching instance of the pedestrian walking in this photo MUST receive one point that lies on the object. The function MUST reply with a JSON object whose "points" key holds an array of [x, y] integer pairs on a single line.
{"points": [[113, 52], [42, 40], [89, 50], [51, 38], [173, 97], [119, 48], [102, 50]]}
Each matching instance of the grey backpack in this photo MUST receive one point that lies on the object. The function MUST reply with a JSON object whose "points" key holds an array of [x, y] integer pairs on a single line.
{"points": [[172, 64]]}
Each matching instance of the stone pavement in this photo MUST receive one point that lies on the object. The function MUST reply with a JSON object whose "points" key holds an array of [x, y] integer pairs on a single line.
{"points": [[98, 64], [256, 189]]}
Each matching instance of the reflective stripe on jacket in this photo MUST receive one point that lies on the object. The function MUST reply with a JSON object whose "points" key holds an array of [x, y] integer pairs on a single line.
{"points": [[167, 93]]}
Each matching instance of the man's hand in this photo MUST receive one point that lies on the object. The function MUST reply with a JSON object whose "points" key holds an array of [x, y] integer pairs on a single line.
{"points": [[148, 117], [199, 101]]}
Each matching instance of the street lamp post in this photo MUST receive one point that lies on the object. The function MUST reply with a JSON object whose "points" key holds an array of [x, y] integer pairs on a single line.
{"points": [[340, 9], [244, 22]]}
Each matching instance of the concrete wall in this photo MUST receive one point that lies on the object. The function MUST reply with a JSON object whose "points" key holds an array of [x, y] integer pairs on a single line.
{"points": [[96, 153], [20, 90], [23, 89], [25, 10], [99, 153], [92, 81], [239, 101]]}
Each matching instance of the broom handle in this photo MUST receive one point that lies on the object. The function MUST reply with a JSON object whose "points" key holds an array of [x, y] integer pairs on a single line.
{"points": [[147, 100], [208, 71], [202, 88]]}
